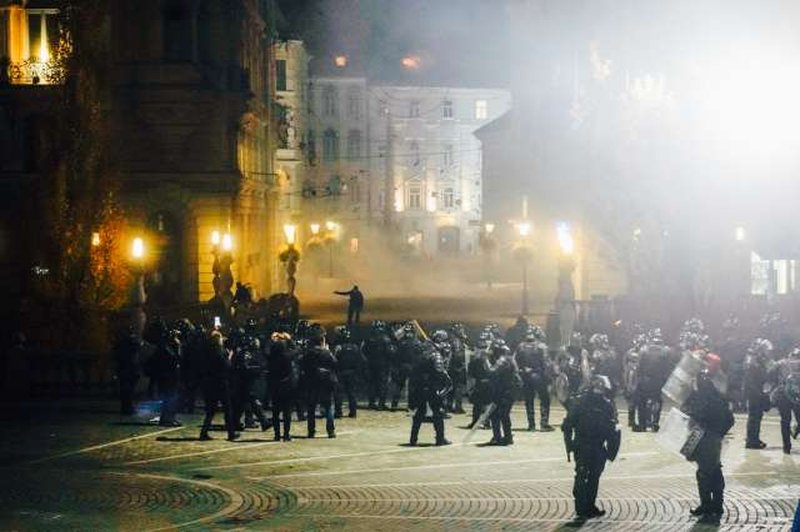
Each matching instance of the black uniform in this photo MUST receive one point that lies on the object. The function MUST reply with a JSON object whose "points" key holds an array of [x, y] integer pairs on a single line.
{"points": [[428, 386], [247, 366], [530, 357], [319, 373], [589, 432], [401, 364], [504, 381], [165, 369], [214, 382], [283, 374], [655, 366], [709, 409], [378, 350], [126, 354], [785, 377], [350, 363], [757, 401], [458, 373], [480, 393]]}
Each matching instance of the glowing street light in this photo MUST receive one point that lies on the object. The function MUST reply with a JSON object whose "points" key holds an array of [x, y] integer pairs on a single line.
{"points": [[137, 250], [565, 241], [215, 238], [315, 229], [411, 62], [524, 229], [290, 232], [523, 252], [227, 242], [489, 228], [340, 61], [741, 234], [95, 239]]}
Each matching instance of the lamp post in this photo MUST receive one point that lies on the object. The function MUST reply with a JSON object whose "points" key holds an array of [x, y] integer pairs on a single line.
{"points": [[523, 254], [290, 257], [488, 245], [565, 295], [222, 247], [331, 229], [139, 317]]}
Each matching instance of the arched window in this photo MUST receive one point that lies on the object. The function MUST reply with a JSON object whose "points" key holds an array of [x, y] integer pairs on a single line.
{"points": [[329, 107], [354, 144], [448, 198], [330, 145], [447, 109]]}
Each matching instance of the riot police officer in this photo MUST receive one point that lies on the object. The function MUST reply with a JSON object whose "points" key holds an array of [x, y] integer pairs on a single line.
{"points": [[504, 381], [126, 353], [531, 358], [283, 373], [247, 366], [592, 435], [478, 378], [516, 333], [458, 362], [574, 372], [166, 372], [214, 383], [655, 366], [402, 360], [785, 380], [709, 410], [756, 367], [319, 372], [378, 350], [350, 362], [429, 383]]}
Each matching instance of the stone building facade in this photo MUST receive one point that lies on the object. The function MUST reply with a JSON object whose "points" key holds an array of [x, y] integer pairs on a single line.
{"points": [[191, 107]]}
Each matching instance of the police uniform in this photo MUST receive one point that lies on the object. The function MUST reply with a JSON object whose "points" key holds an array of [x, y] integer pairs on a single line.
{"points": [[428, 385], [590, 433], [530, 358], [709, 409]]}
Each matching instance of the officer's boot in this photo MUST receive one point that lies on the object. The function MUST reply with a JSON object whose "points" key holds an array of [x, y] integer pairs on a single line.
{"points": [[206, 427], [438, 427], [546, 426], [530, 412], [416, 424], [705, 495]]}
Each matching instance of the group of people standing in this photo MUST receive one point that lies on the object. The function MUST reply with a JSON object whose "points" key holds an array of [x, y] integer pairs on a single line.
{"points": [[301, 369]]}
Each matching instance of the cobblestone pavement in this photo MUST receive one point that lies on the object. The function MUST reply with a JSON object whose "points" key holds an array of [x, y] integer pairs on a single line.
{"points": [[84, 468]]}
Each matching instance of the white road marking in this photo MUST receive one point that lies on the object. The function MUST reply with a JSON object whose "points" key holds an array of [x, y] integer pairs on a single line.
{"points": [[103, 445], [428, 466], [239, 447], [510, 481], [322, 457]]}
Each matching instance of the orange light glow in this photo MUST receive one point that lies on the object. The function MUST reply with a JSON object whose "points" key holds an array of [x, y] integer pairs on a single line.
{"points": [[340, 61], [411, 62]]}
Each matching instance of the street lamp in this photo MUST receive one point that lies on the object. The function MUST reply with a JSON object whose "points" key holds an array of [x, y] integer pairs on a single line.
{"points": [[222, 246], [330, 238], [488, 244], [139, 294], [290, 257], [290, 232], [523, 254]]}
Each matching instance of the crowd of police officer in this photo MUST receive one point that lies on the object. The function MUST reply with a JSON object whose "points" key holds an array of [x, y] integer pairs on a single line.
{"points": [[299, 369]]}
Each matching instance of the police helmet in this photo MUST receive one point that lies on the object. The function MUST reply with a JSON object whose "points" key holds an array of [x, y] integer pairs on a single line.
{"points": [[440, 336], [576, 339], [601, 384], [760, 347], [654, 336], [344, 334]]}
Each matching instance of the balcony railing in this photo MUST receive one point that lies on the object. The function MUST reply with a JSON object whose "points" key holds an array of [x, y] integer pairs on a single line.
{"points": [[31, 72]]}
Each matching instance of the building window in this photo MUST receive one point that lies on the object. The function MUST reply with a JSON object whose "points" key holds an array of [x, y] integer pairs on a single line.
{"points": [[383, 108], [413, 109], [447, 155], [329, 107], [355, 191], [414, 197], [354, 144], [447, 109], [448, 198], [178, 29], [311, 148], [280, 75], [414, 152], [330, 146], [481, 109], [354, 104]]}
